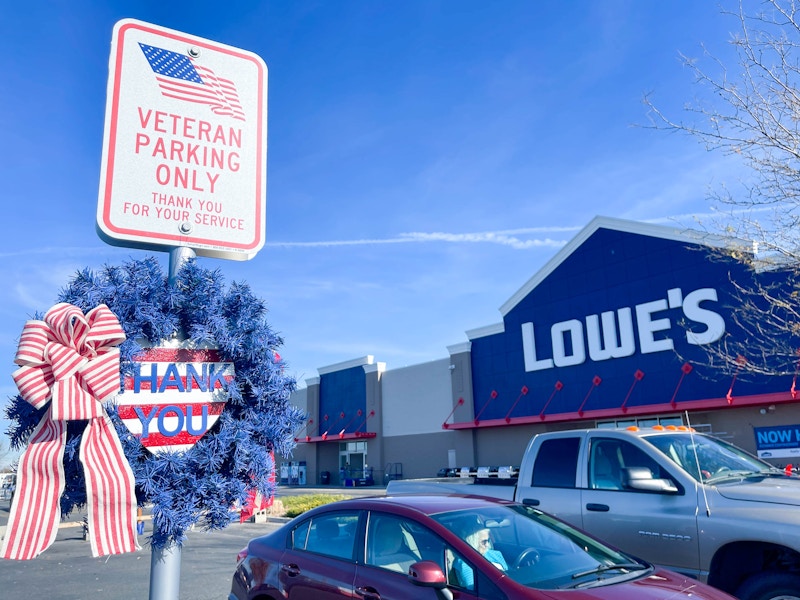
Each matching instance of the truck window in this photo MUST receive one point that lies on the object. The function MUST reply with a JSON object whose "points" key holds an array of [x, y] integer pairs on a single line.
{"points": [[608, 458], [605, 470], [556, 463]]}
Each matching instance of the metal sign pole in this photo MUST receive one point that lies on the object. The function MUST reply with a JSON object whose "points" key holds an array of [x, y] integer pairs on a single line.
{"points": [[165, 563], [165, 573], [177, 257]]}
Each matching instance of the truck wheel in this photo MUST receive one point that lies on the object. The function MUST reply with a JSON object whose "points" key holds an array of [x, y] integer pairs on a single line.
{"points": [[770, 586]]}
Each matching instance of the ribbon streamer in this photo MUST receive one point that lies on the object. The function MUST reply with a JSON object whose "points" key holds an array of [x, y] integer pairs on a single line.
{"points": [[71, 360]]}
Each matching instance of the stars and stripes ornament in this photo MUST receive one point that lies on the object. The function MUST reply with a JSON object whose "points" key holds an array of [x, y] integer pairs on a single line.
{"points": [[184, 78], [174, 394]]}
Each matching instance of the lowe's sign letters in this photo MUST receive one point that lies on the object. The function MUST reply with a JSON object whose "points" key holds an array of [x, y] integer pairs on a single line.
{"points": [[611, 334]]}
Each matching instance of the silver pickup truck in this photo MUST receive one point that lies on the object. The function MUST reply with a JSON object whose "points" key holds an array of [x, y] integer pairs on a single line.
{"points": [[679, 499]]}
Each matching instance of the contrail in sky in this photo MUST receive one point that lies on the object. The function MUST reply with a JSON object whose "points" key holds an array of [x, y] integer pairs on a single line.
{"points": [[513, 238], [507, 237]]}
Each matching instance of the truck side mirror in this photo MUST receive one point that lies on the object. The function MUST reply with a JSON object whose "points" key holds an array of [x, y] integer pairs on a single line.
{"points": [[641, 478]]}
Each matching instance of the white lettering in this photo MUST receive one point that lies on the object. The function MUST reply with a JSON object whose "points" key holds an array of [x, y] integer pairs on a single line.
{"points": [[611, 334], [715, 324], [648, 326], [529, 351], [561, 357], [603, 341]]}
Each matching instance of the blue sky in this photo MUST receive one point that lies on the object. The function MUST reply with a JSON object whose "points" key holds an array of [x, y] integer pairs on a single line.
{"points": [[426, 158]]}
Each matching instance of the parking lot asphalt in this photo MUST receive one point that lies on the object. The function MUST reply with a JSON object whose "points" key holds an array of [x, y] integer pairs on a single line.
{"points": [[67, 570], [294, 490]]}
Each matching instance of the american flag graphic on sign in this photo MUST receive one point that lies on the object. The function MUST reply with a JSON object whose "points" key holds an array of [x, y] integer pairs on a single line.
{"points": [[174, 396], [182, 78]]}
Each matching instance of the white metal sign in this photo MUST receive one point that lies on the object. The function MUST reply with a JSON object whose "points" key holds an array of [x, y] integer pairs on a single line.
{"points": [[185, 144]]}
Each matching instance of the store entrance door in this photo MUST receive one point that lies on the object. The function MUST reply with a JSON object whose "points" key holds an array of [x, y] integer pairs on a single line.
{"points": [[352, 459]]}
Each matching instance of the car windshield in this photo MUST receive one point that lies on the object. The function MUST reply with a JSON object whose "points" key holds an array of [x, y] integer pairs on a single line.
{"points": [[538, 550], [709, 459]]}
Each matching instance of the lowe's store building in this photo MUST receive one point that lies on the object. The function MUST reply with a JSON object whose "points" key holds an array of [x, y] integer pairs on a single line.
{"points": [[610, 333]]}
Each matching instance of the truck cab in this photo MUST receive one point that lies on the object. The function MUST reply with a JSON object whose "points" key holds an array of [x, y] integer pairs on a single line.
{"points": [[679, 499], [659, 521]]}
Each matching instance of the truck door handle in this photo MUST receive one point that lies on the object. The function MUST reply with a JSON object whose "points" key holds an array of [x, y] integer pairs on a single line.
{"points": [[597, 507], [530, 502]]}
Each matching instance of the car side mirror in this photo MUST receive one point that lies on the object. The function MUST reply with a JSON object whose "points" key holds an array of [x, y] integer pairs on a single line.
{"points": [[641, 478], [427, 573]]}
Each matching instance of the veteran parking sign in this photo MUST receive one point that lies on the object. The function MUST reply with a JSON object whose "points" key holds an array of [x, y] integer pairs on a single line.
{"points": [[184, 150]]}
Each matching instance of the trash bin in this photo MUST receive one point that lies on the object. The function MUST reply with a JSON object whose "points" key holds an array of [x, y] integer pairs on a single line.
{"points": [[325, 477]]}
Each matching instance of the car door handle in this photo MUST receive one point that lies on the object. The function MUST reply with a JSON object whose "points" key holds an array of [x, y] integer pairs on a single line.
{"points": [[368, 593], [530, 502], [597, 507], [292, 570]]}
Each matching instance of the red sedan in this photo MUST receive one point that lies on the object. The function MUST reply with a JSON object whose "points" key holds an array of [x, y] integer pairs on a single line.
{"points": [[445, 547]]}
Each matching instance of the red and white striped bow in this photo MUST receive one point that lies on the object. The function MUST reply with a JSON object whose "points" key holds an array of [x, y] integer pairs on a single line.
{"points": [[72, 360]]}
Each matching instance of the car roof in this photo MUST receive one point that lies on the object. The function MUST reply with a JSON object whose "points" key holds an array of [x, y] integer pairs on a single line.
{"points": [[428, 504]]}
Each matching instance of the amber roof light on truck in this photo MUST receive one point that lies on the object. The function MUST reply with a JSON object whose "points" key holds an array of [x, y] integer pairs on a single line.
{"points": [[662, 428]]}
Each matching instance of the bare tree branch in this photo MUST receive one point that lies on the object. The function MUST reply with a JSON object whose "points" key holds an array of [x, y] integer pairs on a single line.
{"points": [[751, 109]]}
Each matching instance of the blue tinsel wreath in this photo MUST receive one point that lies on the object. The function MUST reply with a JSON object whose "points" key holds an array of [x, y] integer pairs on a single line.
{"points": [[198, 486]]}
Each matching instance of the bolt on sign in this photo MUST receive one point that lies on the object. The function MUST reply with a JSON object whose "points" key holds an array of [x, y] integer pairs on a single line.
{"points": [[174, 395], [185, 144]]}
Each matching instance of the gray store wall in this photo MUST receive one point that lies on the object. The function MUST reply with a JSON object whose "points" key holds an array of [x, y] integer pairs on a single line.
{"points": [[416, 401]]}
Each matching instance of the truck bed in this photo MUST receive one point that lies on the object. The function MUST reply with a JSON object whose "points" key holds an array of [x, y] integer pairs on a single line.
{"points": [[453, 485]]}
